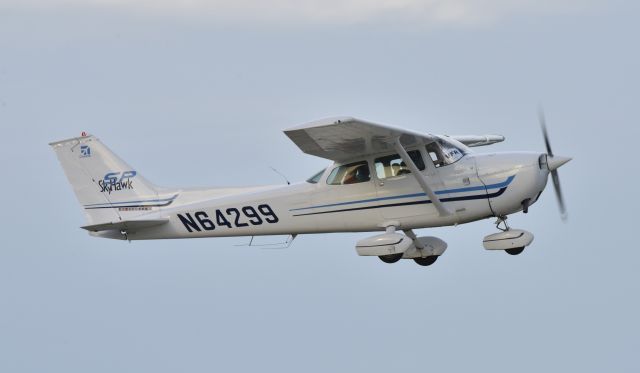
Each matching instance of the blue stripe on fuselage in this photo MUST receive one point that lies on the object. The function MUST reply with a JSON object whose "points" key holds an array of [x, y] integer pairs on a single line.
{"points": [[414, 195]]}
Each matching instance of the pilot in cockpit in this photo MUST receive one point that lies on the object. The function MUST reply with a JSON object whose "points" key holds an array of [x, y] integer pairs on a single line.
{"points": [[358, 175], [403, 169], [395, 169], [363, 174]]}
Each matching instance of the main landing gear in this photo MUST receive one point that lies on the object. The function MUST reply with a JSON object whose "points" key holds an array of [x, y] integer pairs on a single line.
{"points": [[423, 250], [391, 258], [426, 261]]}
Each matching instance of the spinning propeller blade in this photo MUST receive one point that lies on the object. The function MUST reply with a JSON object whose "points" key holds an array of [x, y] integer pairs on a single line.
{"points": [[553, 163], [543, 125]]}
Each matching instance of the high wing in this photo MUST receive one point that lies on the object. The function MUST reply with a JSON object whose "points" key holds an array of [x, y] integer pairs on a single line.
{"points": [[344, 138], [341, 139]]}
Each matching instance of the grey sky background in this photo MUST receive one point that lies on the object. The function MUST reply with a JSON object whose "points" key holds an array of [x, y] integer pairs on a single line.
{"points": [[197, 95]]}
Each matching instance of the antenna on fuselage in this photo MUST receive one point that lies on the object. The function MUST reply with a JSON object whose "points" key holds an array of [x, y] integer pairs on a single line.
{"points": [[281, 174]]}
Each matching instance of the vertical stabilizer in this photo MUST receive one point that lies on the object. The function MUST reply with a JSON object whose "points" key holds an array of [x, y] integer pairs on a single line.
{"points": [[107, 188]]}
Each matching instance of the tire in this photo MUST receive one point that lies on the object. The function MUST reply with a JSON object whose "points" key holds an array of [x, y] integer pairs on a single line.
{"points": [[391, 258], [515, 250], [426, 261]]}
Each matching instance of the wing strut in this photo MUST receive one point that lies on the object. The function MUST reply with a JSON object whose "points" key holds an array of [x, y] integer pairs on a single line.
{"points": [[422, 180]]}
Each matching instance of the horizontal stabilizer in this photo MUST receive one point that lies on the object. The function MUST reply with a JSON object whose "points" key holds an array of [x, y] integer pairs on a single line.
{"points": [[125, 225]]}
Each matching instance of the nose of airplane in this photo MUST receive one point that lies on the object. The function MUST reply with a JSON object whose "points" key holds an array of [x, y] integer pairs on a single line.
{"points": [[556, 161]]}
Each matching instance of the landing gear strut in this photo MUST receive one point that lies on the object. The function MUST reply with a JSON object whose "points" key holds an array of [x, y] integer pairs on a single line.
{"points": [[502, 220]]}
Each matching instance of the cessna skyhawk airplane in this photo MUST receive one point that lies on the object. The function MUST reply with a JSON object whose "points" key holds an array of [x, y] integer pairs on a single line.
{"points": [[382, 179]]}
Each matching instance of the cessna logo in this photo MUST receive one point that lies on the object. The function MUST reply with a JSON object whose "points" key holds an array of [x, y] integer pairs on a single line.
{"points": [[115, 181], [85, 151]]}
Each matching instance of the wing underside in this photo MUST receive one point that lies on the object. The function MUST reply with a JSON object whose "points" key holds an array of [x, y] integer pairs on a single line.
{"points": [[341, 139]]}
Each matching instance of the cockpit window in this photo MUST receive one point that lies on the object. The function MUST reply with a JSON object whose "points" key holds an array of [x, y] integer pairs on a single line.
{"points": [[315, 178], [393, 165], [351, 173], [443, 153]]}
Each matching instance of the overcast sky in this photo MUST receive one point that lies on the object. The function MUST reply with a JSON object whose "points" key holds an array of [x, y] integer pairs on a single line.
{"points": [[196, 93]]}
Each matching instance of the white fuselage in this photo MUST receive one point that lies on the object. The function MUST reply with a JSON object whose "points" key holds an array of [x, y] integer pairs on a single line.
{"points": [[475, 187]]}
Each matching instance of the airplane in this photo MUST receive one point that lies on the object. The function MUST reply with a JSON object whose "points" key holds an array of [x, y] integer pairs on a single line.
{"points": [[383, 179]]}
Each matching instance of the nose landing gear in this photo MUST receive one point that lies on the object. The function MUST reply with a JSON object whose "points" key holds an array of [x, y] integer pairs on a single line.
{"points": [[513, 241], [515, 251]]}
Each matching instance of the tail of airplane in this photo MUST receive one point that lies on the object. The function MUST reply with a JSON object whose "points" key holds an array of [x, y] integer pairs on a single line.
{"points": [[108, 189]]}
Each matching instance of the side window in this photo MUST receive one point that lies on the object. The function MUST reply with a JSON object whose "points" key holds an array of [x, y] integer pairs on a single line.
{"points": [[315, 178], [393, 165], [351, 173]]}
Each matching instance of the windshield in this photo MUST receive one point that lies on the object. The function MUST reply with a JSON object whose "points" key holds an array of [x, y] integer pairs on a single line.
{"points": [[443, 152]]}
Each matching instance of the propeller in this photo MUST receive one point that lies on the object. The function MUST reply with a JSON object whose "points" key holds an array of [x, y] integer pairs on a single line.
{"points": [[553, 163]]}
